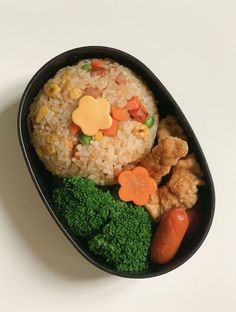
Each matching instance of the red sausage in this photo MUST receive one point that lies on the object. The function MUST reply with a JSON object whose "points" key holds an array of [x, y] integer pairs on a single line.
{"points": [[194, 216], [169, 235]]}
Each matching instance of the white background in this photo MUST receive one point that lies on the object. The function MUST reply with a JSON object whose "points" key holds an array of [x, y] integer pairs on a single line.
{"points": [[191, 47]]}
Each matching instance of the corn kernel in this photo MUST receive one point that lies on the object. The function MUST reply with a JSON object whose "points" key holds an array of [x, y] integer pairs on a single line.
{"points": [[51, 138], [42, 112], [75, 93], [65, 78], [98, 136], [50, 149], [52, 90], [141, 131]]}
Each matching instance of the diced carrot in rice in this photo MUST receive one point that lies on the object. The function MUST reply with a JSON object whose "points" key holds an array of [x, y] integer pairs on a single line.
{"points": [[112, 131], [133, 103], [73, 128], [118, 113], [140, 114], [97, 64]]}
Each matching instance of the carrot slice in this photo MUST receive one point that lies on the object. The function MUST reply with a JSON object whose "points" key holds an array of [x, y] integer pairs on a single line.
{"points": [[112, 131], [133, 103], [136, 185], [121, 114], [97, 64], [73, 128]]}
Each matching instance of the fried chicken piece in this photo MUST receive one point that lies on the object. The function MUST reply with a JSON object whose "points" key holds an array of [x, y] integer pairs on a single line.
{"points": [[170, 149], [169, 127], [190, 163], [153, 206], [163, 156], [181, 189]]}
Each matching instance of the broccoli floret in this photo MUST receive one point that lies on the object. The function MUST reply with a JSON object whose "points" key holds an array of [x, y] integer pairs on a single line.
{"points": [[84, 207], [120, 232], [125, 240]]}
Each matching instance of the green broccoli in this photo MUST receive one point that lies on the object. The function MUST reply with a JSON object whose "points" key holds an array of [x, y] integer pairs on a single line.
{"points": [[120, 232], [84, 207], [125, 240]]}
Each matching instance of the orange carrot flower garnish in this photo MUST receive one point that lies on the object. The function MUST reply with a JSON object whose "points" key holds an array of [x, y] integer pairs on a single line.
{"points": [[136, 185]]}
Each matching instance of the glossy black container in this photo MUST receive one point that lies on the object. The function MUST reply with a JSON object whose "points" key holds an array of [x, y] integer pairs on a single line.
{"points": [[46, 182]]}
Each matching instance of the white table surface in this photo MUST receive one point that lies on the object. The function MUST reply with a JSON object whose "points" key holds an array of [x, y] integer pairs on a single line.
{"points": [[191, 47]]}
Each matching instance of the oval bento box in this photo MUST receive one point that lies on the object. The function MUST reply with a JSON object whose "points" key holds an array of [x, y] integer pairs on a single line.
{"points": [[45, 182]]}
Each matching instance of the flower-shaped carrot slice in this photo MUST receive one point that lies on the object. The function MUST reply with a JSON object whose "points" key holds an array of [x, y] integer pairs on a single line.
{"points": [[92, 115], [136, 185]]}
